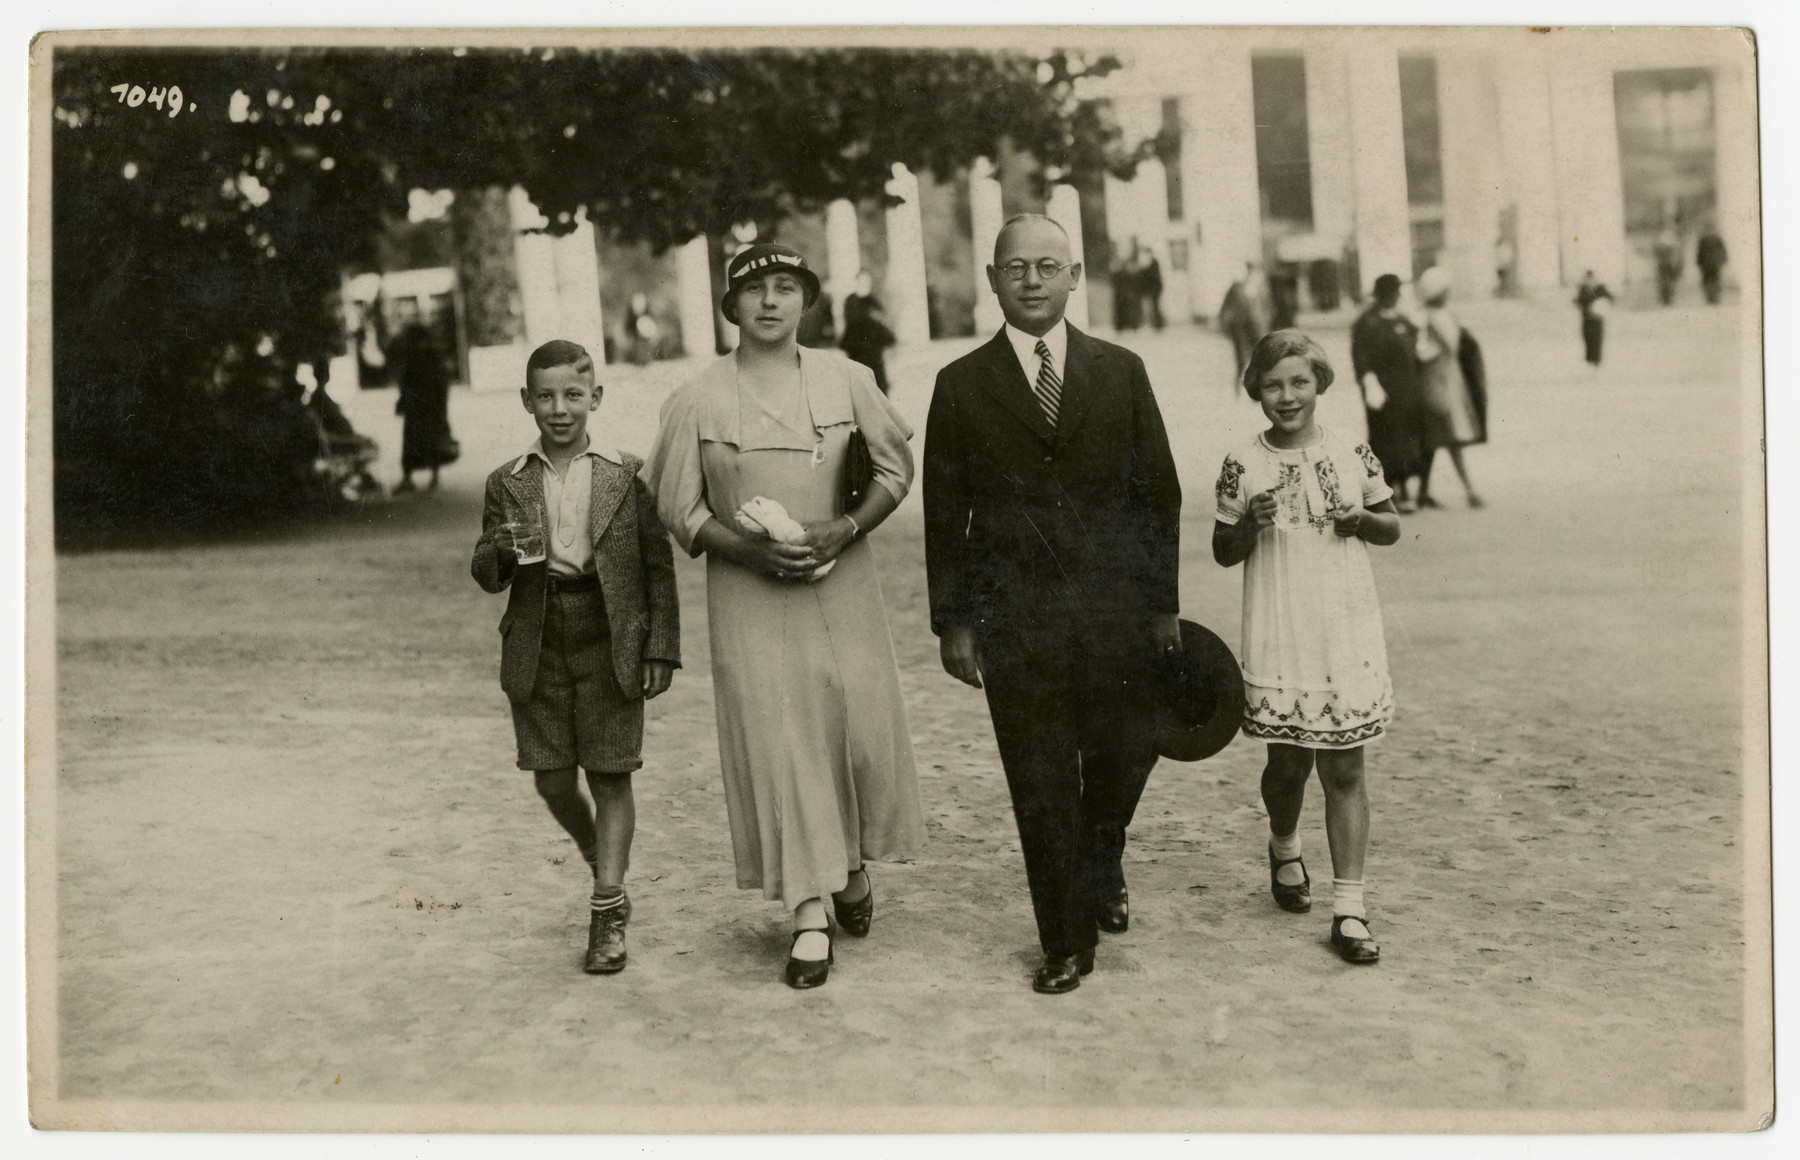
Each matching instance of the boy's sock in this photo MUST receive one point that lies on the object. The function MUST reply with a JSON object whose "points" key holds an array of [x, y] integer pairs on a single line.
{"points": [[1347, 899], [606, 897], [591, 855], [1286, 850]]}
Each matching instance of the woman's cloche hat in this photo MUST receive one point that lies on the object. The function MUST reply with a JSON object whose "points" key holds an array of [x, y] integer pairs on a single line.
{"points": [[1199, 696], [758, 260]]}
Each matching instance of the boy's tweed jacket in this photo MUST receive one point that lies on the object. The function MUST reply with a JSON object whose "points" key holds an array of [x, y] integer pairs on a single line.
{"points": [[631, 554]]}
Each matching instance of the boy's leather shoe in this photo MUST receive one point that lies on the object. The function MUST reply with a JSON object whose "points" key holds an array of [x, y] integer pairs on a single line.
{"points": [[606, 939]]}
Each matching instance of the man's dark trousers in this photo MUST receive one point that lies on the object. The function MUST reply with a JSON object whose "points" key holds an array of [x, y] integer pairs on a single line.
{"points": [[1077, 740]]}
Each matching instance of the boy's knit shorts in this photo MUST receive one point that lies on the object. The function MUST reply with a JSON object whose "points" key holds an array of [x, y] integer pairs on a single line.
{"points": [[577, 714]]}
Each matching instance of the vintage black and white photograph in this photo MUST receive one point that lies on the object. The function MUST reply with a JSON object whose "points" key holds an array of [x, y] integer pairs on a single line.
{"points": [[1044, 579]]}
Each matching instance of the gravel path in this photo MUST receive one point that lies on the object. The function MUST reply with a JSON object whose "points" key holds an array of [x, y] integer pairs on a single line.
{"points": [[299, 883]]}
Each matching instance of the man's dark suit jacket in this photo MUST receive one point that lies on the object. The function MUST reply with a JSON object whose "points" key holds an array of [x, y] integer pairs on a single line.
{"points": [[1025, 527], [632, 557]]}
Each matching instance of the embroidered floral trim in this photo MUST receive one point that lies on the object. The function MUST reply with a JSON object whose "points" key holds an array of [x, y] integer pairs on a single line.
{"points": [[1300, 735], [1328, 484], [1370, 463], [1229, 474], [1339, 717]]}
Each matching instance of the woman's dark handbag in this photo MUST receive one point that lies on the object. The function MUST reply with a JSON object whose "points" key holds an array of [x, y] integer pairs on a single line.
{"points": [[859, 469]]}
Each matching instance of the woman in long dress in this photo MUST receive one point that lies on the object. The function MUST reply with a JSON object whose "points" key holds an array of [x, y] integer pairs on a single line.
{"points": [[426, 443], [1452, 417], [1384, 354], [813, 742]]}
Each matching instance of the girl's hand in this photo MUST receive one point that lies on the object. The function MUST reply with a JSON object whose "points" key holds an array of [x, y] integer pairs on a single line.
{"points": [[829, 538], [778, 560], [1348, 520], [1261, 513]]}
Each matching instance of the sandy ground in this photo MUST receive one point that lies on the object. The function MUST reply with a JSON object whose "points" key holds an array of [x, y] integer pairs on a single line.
{"points": [[296, 867]]}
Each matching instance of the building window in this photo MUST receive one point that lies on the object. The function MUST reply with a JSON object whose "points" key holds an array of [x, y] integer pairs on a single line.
{"points": [[1422, 136], [1283, 158], [1170, 148], [1667, 158]]}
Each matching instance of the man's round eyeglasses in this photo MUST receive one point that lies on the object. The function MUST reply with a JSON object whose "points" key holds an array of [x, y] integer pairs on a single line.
{"points": [[1046, 268]]}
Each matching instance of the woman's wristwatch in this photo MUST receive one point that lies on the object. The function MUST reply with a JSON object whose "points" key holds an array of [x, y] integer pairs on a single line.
{"points": [[855, 528]]}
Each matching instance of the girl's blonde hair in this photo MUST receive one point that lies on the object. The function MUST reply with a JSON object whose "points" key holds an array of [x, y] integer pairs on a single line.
{"points": [[1279, 344]]}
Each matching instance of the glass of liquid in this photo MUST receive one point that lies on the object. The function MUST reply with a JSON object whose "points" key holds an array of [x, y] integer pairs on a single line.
{"points": [[527, 539]]}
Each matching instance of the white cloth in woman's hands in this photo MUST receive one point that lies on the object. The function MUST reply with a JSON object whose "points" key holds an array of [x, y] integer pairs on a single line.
{"points": [[761, 516]]}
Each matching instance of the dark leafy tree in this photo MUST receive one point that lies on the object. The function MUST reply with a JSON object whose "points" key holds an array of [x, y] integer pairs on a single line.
{"points": [[198, 248]]}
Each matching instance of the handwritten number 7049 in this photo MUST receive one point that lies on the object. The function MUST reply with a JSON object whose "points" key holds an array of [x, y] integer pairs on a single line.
{"points": [[135, 95]]}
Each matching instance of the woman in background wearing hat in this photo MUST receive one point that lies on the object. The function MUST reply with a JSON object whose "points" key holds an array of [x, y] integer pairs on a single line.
{"points": [[813, 741], [1453, 420], [1383, 352]]}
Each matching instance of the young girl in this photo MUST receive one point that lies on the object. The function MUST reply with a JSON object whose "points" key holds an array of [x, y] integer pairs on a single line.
{"points": [[1297, 505]]}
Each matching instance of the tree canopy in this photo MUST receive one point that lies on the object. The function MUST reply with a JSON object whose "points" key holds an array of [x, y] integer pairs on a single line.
{"points": [[198, 239]]}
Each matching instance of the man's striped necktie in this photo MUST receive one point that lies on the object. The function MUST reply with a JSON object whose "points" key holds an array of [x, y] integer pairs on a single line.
{"points": [[1048, 388]]}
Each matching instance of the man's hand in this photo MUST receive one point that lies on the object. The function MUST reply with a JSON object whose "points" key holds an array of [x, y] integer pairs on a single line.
{"points": [[961, 656], [1165, 633]]}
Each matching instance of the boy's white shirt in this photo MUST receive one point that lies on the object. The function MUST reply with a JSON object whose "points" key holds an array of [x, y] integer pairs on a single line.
{"points": [[566, 506]]}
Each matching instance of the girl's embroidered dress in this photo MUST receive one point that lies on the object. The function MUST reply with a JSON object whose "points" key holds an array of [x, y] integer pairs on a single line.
{"points": [[1315, 661]]}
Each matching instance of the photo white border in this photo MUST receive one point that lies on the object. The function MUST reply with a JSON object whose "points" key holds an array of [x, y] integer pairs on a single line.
{"points": [[1777, 28]]}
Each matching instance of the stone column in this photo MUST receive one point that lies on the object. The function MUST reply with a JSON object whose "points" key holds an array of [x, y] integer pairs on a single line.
{"points": [[1330, 144], [559, 279], [907, 304], [1472, 171], [578, 286], [1528, 162], [694, 272], [843, 256], [1065, 210], [1218, 169], [535, 257], [985, 220], [1383, 227], [1590, 204]]}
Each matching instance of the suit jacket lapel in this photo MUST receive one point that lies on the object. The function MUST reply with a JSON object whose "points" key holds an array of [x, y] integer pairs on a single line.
{"points": [[1007, 384], [527, 487], [1082, 366], [611, 484]]}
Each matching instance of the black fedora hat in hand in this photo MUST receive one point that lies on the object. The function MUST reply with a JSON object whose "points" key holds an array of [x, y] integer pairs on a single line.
{"points": [[1200, 696]]}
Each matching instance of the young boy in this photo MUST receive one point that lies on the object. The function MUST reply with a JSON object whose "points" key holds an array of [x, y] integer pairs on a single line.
{"points": [[591, 628]]}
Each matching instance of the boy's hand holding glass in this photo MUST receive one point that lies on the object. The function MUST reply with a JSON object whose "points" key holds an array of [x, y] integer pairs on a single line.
{"points": [[526, 539]]}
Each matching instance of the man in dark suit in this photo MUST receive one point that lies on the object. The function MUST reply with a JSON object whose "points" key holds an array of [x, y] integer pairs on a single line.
{"points": [[1051, 528]]}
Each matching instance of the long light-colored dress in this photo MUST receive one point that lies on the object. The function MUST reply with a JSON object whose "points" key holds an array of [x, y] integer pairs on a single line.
{"points": [[1315, 660], [1450, 418], [813, 742]]}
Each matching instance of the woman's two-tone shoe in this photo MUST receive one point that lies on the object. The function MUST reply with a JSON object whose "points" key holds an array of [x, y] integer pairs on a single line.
{"points": [[855, 917], [804, 973]]}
